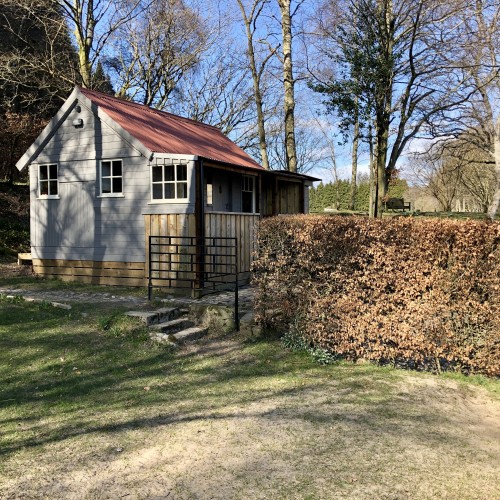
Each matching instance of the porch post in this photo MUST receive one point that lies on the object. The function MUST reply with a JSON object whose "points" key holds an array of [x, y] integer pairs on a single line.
{"points": [[200, 229]]}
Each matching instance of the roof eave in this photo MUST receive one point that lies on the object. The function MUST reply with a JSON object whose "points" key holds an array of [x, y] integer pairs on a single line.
{"points": [[257, 167]]}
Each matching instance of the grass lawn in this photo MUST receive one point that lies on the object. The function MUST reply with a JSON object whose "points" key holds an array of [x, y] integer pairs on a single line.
{"points": [[90, 408]]}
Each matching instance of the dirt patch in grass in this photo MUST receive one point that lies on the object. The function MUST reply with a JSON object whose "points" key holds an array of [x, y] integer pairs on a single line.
{"points": [[94, 415]]}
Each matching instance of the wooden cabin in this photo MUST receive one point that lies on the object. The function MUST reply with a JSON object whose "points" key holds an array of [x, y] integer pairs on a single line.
{"points": [[121, 192]]}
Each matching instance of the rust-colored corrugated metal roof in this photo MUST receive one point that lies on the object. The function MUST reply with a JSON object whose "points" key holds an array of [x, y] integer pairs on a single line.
{"points": [[162, 132]]}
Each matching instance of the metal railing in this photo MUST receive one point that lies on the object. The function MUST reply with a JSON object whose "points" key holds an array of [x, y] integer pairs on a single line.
{"points": [[203, 265]]}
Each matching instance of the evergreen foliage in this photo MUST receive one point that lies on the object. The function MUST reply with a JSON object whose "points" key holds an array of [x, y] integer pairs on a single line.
{"points": [[336, 195]]}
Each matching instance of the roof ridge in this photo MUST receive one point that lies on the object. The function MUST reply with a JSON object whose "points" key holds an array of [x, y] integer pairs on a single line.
{"points": [[146, 108]]}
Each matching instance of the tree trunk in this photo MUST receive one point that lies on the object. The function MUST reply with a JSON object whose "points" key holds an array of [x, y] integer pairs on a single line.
{"points": [[84, 36], [256, 85], [354, 171], [289, 84], [495, 202], [380, 160], [373, 182], [383, 106]]}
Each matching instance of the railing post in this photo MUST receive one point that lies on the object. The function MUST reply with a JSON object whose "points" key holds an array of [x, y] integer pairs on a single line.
{"points": [[236, 305], [150, 281]]}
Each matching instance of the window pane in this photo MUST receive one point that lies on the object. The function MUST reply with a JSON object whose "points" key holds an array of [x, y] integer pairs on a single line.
{"points": [[169, 173], [53, 188], [182, 172], [44, 172], [157, 191], [53, 172], [106, 168], [117, 185], [44, 188], [169, 191], [182, 190], [246, 202], [157, 174], [106, 185], [117, 167], [209, 194]]}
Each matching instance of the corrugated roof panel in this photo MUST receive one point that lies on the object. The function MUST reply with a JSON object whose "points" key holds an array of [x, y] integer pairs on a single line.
{"points": [[163, 132]]}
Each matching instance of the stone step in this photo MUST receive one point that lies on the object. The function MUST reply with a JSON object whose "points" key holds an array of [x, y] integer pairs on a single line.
{"points": [[188, 334], [173, 339], [156, 317], [173, 326]]}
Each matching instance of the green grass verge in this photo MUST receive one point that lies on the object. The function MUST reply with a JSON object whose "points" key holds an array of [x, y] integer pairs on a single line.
{"points": [[75, 386]]}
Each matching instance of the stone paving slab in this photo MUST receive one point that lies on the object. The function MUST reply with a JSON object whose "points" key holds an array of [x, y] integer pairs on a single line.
{"points": [[246, 296]]}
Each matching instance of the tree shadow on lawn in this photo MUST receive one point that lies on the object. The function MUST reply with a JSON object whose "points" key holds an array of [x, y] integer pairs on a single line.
{"points": [[77, 381]]}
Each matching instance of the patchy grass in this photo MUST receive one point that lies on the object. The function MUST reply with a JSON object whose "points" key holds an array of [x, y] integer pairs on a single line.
{"points": [[90, 408]]}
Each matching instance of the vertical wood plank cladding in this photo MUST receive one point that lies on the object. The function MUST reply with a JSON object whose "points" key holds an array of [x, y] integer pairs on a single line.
{"points": [[179, 226], [231, 225], [226, 225]]}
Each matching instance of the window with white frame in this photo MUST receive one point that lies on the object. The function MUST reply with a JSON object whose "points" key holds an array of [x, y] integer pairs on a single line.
{"points": [[48, 181], [248, 194], [111, 178], [169, 182]]}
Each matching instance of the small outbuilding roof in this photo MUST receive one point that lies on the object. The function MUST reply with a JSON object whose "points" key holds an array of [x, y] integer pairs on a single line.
{"points": [[148, 130], [163, 132]]}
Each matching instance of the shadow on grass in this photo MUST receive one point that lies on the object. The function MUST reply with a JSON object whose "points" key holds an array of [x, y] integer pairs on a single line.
{"points": [[62, 378]]}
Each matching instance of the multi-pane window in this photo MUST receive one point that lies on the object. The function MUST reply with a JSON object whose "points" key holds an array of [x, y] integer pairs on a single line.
{"points": [[48, 180], [169, 182], [111, 177], [248, 194]]}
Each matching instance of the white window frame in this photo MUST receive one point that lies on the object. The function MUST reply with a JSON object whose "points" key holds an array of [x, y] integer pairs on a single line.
{"points": [[48, 181], [243, 190], [111, 177], [175, 182]]}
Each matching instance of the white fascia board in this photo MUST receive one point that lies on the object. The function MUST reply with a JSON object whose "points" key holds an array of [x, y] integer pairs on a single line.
{"points": [[34, 150], [170, 156]]}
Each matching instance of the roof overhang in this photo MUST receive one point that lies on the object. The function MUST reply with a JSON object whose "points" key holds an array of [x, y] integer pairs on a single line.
{"points": [[291, 175], [209, 162]]}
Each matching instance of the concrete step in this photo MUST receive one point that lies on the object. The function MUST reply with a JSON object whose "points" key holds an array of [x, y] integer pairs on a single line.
{"points": [[174, 339], [156, 317], [173, 326], [188, 334]]}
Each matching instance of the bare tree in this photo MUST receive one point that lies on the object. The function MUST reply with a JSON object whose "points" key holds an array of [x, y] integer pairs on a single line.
{"points": [[250, 16], [395, 58], [93, 22], [36, 56], [439, 173], [153, 51], [218, 92], [288, 82], [312, 149], [477, 52], [36, 73]]}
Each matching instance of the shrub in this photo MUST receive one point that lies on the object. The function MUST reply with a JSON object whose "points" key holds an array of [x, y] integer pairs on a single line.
{"points": [[423, 294]]}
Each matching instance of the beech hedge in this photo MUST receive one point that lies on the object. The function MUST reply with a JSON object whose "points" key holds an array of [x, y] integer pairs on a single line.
{"points": [[423, 294]]}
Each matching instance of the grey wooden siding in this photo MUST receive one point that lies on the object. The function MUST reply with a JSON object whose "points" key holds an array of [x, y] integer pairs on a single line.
{"points": [[81, 225]]}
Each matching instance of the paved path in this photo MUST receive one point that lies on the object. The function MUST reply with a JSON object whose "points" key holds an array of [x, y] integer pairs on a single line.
{"points": [[246, 295]]}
